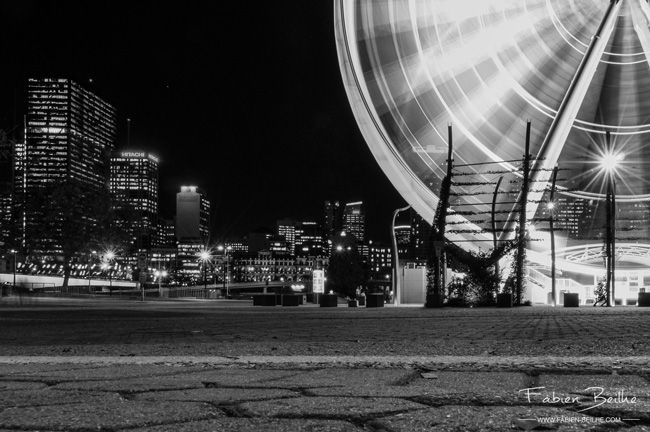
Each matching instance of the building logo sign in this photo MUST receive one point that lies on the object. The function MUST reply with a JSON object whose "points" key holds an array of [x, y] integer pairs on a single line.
{"points": [[318, 278]]}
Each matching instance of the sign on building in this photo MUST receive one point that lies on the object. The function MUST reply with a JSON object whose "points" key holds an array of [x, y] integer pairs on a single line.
{"points": [[318, 278]]}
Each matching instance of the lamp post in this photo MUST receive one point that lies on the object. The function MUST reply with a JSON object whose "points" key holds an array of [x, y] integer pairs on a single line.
{"points": [[609, 163], [226, 284], [551, 208], [396, 288], [14, 251], [90, 258], [159, 275], [204, 257], [109, 257]]}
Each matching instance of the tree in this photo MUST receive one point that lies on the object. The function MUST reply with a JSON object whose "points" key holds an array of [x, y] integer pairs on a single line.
{"points": [[479, 268], [72, 218], [345, 272], [435, 278]]}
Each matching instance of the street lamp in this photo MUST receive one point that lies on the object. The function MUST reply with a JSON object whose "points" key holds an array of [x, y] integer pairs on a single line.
{"points": [[14, 252], [109, 256], [90, 258], [226, 283], [159, 275], [204, 257], [609, 163]]}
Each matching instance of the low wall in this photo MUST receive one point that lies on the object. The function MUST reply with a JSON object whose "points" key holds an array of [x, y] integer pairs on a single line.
{"points": [[39, 281]]}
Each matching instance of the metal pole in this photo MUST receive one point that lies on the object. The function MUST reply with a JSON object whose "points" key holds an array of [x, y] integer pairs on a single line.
{"points": [[560, 128], [613, 238], [552, 231], [495, 239], [395, 282], [226, 278], [608, 241], [15, 259], [523, 219]]}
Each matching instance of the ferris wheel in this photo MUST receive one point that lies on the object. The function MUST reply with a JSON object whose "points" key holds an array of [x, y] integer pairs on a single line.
{"points": [[579, 70]]}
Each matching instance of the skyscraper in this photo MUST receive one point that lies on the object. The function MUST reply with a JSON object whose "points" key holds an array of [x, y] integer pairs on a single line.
{"points": [[354, 220], [192, 230], [69, 136], [134, 192], [309, 239], [333, 220], [192, 215], [287, 230], [7, 158]]}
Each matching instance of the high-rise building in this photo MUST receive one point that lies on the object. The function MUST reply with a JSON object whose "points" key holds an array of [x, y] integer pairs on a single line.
{"points": [[354, 220], [287, 230], [380, 261], [134, 192], [69, 137], [333, 220], [166, 233], [7, 164], [403, 239], [192, 215], [420, 233], [309, 240]]}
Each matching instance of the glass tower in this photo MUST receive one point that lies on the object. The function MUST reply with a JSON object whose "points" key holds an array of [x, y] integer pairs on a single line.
{"points": [[69, 136]]}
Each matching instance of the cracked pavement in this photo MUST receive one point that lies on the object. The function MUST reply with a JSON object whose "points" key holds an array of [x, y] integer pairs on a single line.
{"points": [[209, 366]]}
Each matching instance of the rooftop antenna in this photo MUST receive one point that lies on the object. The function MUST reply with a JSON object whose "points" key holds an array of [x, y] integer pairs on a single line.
{"points": [[128, 133]]}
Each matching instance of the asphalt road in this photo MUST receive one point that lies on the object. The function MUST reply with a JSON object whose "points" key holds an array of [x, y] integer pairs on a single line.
{"points": [[235, 328]]}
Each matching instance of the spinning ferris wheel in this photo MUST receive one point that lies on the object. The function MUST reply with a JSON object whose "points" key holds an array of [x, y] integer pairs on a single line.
{"points": [[577, 69]]}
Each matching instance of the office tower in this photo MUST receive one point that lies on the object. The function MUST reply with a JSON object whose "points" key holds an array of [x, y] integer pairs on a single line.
{"points": [[192, 215], [7, 163], [403, 239], [287, 230], [69, 136], [420, 233], [166, 233], [354, 221], [380, 261], [134, 192], [333, 220], [309, 239]]}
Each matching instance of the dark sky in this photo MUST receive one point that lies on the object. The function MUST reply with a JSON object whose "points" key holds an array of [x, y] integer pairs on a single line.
{"points": [[244, 100]]}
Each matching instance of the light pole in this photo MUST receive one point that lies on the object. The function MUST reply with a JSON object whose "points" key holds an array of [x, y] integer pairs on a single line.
{"points": [[551, 208], [109, 257], [14, 251], [160, 274], [226, 284], [204, 257], [90, 258], [395, 282], [609, 163]]}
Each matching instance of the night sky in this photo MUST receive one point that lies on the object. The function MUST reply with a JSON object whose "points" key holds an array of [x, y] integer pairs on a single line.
{"points": [[244, 100]]}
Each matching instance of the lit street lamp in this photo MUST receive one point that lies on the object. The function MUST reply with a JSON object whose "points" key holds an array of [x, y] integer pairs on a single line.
{"points": [[14, 252], [204, 257], [226, 283], [90, 258], [159, 275], [609, 163]]}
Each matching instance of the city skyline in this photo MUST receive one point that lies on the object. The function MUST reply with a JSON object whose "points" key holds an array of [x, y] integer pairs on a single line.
{"points": [[225, 126]]}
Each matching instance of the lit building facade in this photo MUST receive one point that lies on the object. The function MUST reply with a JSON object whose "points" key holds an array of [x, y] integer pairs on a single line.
{"points": [[333, 218], [7, 164], [309, 240], [380, 261], [354, 220], [192, 215], [403, 239], [287, 230], [69, 136], [166, 233], [134, 192]]}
